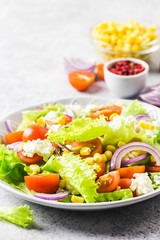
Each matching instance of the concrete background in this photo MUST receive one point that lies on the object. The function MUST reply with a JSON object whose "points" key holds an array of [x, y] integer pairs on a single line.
{"points": [[35, 35]]}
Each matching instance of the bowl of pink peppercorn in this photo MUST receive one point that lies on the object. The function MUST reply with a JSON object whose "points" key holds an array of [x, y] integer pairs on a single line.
{"points": [[126, 77]]}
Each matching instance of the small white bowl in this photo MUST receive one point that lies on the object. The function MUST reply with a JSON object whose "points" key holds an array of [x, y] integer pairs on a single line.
{"points": [[125, 86]]}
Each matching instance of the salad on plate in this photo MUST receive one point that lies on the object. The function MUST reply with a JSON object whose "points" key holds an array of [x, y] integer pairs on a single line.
{"points": [[70, 153]]}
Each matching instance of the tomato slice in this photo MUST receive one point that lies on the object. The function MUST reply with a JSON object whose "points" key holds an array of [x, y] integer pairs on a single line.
{"points": [[108, 182], [81, 80], [128, 172], [67, 119], [14, 137], [34, 132], [102, 165], [153, 168], [95, 145], [125, 183], [107, 111], [35, 159], [47, 183], [100, 70]]}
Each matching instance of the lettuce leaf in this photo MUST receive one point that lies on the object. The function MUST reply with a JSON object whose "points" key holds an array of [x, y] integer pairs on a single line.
{"points": [[81, 129], [12, 169], [58, 107], [29, 117], [133, 108], [79, 176], [21, 216], [121, 130], [114, 196], [155, 177]]}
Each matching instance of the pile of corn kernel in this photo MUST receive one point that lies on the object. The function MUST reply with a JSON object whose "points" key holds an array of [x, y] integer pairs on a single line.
{"points": [[124, 37]]}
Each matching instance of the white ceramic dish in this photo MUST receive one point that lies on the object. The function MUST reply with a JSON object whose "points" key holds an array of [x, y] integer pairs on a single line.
{"points": [[16, 117], [125, 86]]}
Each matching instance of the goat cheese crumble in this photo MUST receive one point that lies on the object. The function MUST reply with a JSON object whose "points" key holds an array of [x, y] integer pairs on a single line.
{"points": [[42, 147], [141, 183]]}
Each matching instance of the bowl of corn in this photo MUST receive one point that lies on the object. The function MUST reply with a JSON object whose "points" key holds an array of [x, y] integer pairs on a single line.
{"points": [[116, 40]]}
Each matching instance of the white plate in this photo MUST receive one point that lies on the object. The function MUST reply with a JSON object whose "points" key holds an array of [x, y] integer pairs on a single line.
{"points": [[17, 117]]}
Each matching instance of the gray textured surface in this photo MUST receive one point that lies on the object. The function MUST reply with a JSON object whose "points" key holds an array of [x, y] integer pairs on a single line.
{"points": [[34, 37]]}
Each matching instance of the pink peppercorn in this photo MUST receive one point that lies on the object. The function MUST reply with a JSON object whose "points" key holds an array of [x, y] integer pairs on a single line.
{"points": [[126, 67]]}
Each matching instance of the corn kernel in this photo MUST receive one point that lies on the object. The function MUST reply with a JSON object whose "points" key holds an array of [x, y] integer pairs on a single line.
{"points": [[111, 148], [98, 157], [41, 122], [69, 142], [62, 184], [66, 152], [146, 125], [90, 160], [152, 159], [104, 158], [112, 116], [135, 153], [76, 199], [120, 144], [85, 151], [34, 168], [61, 121], [108, 155]]}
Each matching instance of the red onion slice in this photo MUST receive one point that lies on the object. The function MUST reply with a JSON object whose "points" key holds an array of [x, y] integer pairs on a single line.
{"points": [[122, 151], [76, 64], [142, 116], [133, 160], [14, 146], [152, 96], [69, 112], [54, 196], [8, 126]]}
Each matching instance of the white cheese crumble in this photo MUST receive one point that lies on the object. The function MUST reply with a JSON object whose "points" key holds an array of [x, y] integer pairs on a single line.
{"points": [[51, 117], [55, 127], [157, 179], [141, 183], [91, 108], [75, 107], [42, 147]]}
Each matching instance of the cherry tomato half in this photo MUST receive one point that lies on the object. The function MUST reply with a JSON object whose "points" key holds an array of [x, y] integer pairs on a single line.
{"points": [[125, 183], [47, 183], [100, 70], [108, 182], [14, 137], [95, 145], [102, 165], [35, 159], [34, 132], [107, 111], [128, 172], [153, 168], [81, 80]]}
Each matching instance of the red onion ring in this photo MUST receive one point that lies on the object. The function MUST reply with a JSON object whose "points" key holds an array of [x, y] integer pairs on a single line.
{"points": [[76, 64], [133, 160], [54, 196], [142, 116], [122, 151], [8, 126], [14, 146]]}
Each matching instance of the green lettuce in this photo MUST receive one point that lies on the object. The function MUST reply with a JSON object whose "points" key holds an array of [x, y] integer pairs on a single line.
{"points": [[29, 117], [122, 130], [155, 177], [114, 196], [58, 107], [79, 176], [12, 169], [81, 129], [21, 216], [135, 107]]}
